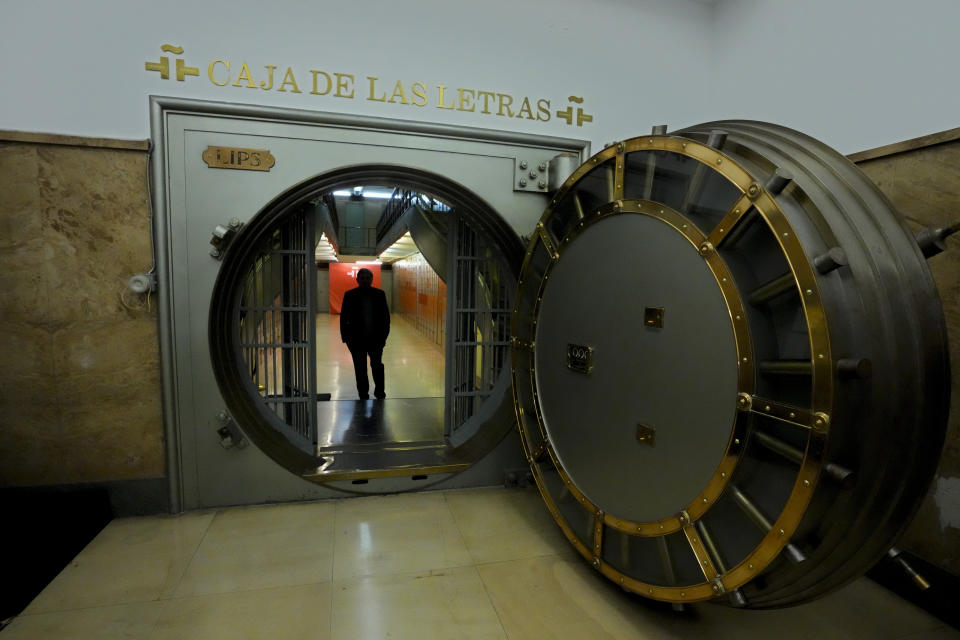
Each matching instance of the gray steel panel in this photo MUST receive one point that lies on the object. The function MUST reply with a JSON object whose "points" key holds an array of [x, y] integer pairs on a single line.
{"points": [[680, 380]]}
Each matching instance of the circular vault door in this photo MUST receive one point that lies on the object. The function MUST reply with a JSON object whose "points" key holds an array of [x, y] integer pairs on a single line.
{"points": [[729, 366]]}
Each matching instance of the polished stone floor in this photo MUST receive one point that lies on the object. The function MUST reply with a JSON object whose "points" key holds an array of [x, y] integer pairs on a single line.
{"points": [[413, 366], [404, 429], [485, 563], [363, 423], [355, 435]]}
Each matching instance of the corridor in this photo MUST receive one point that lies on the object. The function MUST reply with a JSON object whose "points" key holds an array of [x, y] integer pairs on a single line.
{"points": [[413, 411]]}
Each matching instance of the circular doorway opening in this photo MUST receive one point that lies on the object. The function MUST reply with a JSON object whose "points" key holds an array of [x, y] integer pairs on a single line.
{"points": [[272, 351]]}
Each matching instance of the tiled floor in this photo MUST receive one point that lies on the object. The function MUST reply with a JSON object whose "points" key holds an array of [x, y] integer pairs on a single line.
{"points": [[485, 563]]}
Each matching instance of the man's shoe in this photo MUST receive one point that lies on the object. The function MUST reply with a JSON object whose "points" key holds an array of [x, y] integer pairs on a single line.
{"points": [[379, 395], [364, 396]]}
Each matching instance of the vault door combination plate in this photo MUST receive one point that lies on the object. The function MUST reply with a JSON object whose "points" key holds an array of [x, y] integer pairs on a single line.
{"points": [[746, 433]]}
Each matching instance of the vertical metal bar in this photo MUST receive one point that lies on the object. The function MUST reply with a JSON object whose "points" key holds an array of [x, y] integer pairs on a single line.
{"points": [[273, 388], [736, 596], [754, 513], [451, 323], [669, 572], [463, 351], [285, 337], [694, 187], [298, 328], [310, 282], [255, 320], [262, 337], [261, 326], [650, 173], [262, 340], [666, 561], [620, 174], [474, 316], [286, 372]]}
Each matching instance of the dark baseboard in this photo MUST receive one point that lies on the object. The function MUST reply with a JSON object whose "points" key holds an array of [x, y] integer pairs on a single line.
{"points": [[138, 497], [145, 497], [46, 527]]}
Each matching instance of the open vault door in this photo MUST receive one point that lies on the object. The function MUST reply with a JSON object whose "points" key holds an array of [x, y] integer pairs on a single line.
{"points": [[729, 365]]}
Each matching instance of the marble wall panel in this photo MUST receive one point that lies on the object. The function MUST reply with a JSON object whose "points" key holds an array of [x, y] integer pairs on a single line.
{"points": [[106, 347], [924, 185], [97, 226], [23, 281], [112, 416], [20, 222], [79, 356], [27, 350]]}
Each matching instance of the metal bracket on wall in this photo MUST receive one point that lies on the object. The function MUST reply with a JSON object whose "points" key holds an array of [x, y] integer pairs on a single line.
{"points": [[229, 433], [223, 236], [530, 175]]}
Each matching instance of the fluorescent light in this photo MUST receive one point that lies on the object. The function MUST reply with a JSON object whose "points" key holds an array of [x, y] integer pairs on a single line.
{"points": [[376, 195]]}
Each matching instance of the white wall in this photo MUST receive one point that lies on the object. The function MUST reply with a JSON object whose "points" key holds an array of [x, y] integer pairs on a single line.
{"points": [[857, 75], [78, 67]]}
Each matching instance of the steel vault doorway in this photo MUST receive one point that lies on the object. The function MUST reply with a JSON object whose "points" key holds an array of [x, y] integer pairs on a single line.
{"points": [[192, 199], [263, 338]]}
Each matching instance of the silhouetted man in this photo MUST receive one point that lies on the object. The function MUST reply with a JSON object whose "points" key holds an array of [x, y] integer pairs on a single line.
{"points": [[364, 327]]}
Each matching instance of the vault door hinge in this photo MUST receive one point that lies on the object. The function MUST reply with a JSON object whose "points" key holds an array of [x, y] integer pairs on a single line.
{"points": [[229, 432], [222, 237]]}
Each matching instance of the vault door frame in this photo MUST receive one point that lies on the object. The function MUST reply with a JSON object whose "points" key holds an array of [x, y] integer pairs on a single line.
{"points": [[310, 143]]}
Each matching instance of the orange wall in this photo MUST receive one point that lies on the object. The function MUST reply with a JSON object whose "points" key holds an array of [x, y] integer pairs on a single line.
{"points": [[420, 297]]}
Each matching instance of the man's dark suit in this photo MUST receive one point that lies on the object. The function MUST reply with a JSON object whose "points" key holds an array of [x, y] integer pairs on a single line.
{"points": [[364, 326]]}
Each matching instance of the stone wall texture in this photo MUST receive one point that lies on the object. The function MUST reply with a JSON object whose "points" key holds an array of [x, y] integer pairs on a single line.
{"points": [[79, 361], [924, 185]]}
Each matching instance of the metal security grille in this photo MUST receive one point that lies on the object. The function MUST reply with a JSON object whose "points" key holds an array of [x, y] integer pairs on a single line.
{"points": [[278, 330], [478, 321]]}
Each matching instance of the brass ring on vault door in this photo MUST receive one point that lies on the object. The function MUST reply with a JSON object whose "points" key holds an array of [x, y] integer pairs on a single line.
{"points": [[803, 275]]}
